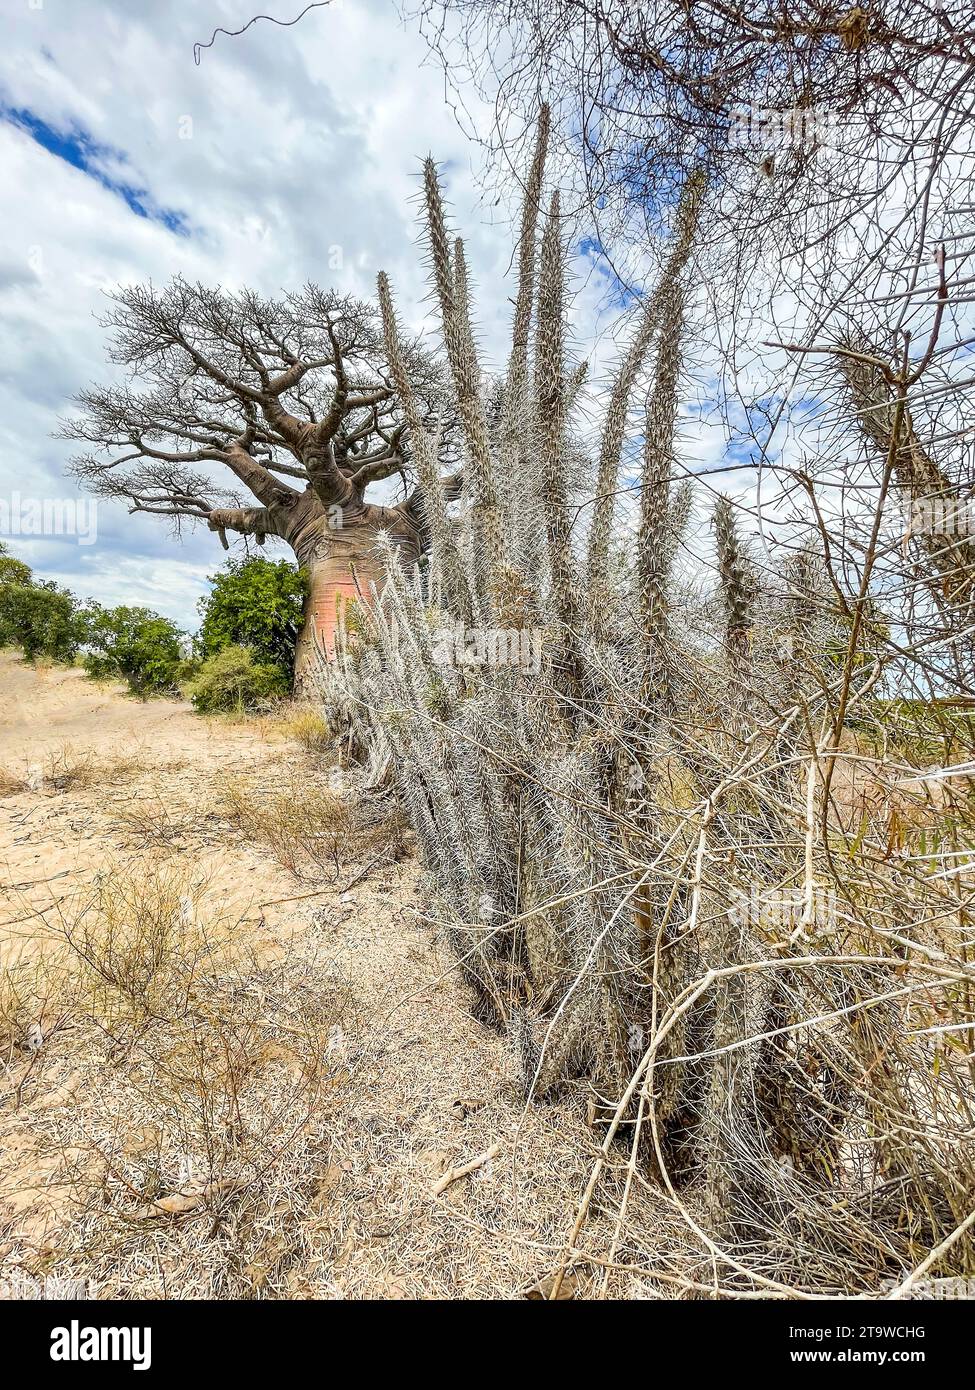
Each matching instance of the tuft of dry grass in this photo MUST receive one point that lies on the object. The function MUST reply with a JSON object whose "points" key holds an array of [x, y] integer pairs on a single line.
{"points": [[308, 727], [154, 824], [11, 784], [310, 828], [136, 943], [69, 768], [172, 1089]]}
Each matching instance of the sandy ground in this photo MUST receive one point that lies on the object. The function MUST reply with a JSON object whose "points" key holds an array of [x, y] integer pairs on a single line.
{"points": [[121, 1167]]}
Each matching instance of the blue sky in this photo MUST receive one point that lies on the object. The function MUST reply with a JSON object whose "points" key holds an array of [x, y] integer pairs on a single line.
{"points": [[76, 147], [123, 161]]}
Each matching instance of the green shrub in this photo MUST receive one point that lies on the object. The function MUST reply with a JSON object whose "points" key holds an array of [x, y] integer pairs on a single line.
{"points": [[258, 604], [42, 619], [12, 571], [137, 646], [233, 680]]}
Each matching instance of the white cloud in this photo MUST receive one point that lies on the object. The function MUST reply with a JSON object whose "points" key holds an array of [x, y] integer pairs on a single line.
{"points": [[301, 140]]}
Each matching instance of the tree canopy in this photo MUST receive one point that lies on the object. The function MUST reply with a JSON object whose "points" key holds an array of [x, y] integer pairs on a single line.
{"points": [[252, 415]]}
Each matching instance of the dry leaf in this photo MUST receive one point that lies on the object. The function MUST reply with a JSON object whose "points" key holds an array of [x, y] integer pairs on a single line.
{"points": [[543, 1289], [183, 1203], [393, 1287], [141, 1141], [464, 1106]]}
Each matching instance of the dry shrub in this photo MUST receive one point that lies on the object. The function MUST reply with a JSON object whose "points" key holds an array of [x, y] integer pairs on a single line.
{"points": [[10, 784], [188, 1096], [310, 828], [31, 992], [70, 769], [309, 728], [153, 825], [136, 943]]}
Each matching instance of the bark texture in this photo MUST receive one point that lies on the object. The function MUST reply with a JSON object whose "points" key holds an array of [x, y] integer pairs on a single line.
{"points": [[342, 566]]}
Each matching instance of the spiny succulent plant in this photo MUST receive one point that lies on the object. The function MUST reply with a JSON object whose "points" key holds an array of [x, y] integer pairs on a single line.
{"points": [[588, 784]]}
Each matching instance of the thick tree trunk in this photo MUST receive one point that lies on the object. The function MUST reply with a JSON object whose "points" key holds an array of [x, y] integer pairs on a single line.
{"points": [[342, 558]]}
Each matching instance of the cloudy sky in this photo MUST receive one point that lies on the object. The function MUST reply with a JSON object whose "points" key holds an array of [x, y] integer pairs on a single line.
{"points": [[285, 155], [123, 161]]}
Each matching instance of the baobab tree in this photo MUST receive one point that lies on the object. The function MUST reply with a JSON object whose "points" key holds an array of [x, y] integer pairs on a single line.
{"points": [[260, 417]]}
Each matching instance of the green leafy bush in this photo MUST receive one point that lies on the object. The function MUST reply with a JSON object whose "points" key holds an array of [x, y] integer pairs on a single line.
{"points": [[233, 680], [258, 604], [42, 619], [12, 571], [137, 646]]}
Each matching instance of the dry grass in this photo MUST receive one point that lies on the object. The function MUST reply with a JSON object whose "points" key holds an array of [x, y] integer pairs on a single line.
{"points": [[11, 784], [212, 1111], [155, 824], [69, 768], [200, 1122], [136, 944], [291, 720], [310, 829], [169, 1086], [307, 726]]}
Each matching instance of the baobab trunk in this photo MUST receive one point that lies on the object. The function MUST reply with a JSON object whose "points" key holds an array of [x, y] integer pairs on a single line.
{"points": [[342, 567], [337, 547]]}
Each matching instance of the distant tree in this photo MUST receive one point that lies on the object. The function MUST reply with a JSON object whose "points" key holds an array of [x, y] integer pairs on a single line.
{"points": [[42, 619], [134, 645], [12, 570], [258, 604], [262, 418]]}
